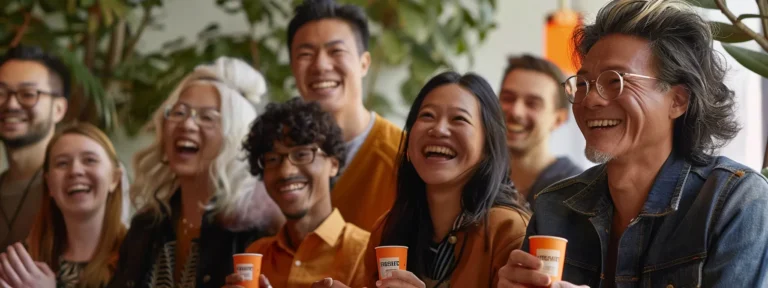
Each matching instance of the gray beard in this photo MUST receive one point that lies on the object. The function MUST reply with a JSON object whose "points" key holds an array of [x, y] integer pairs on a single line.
{"points": [[36, 133], [597, 156]]}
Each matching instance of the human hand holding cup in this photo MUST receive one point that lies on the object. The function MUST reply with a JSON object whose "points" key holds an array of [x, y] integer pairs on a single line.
{"points": [[248, 266], [540, 268], [390, 258]]}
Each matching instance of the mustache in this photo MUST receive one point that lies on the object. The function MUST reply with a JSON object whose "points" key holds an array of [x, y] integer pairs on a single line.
{"points": [[293, 178]]}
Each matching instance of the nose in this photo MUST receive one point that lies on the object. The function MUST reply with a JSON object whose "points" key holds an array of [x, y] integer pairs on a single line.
{"points": [[76, 169], [514, 109], [12, 103], [322, 62], [189, 124], [440, 129], [593, 100], [286, 168]]}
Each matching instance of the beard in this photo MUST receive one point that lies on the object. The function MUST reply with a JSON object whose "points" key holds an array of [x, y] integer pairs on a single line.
{"points": [[597, 156], [36, 133]]}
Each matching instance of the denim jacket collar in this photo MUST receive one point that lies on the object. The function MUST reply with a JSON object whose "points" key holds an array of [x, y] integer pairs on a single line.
{"points": [[663, 198]]}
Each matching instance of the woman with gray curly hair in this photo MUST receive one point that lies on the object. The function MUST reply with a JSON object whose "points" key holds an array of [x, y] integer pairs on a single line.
{"points": [[197, 202]]}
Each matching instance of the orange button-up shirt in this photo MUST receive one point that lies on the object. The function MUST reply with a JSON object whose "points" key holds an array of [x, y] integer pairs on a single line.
{"points": [[335, 249]]}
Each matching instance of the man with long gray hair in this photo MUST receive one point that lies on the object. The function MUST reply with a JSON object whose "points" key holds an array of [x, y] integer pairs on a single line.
{"points": [[661, 210]]}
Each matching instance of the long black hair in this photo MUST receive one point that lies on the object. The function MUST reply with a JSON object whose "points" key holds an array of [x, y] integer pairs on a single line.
{"points": [[409, 223]]}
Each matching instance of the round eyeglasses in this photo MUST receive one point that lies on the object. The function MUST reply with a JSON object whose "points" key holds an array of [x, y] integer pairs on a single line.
{"points": [[204, 117], [609, 85]]}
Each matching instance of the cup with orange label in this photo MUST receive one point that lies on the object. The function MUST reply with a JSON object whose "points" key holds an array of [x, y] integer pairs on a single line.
{"points": [[248, 265], [390, 258], [551, 251]]}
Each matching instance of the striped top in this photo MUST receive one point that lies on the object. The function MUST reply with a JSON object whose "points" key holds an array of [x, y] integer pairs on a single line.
{"points": [[162, 271]]}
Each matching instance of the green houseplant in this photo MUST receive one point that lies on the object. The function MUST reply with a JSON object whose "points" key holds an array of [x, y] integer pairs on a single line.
{"points": [[737, 32], [119, 87]]}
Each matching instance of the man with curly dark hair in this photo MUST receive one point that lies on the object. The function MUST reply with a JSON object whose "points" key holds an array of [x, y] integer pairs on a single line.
{"points": [[296, 148]]}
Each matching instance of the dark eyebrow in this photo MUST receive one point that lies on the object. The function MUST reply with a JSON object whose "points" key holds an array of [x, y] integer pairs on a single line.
{"points": [[465, 111], [334, 42], [305, 46]]}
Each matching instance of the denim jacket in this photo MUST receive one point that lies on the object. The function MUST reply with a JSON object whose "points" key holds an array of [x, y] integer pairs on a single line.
{"points": [[701, 226]]}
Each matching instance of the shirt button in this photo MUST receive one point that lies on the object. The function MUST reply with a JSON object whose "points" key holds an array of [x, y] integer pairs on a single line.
{"points": [[298, 263], [206, 278]]}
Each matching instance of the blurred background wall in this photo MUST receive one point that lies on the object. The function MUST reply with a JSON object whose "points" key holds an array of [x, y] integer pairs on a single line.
{"points": [[520, 28]]}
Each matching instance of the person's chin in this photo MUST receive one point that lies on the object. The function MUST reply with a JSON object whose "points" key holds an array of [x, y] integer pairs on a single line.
{"points": [[296, 215]]}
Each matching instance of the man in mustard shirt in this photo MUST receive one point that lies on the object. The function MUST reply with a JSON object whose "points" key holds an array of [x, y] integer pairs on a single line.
{"points": [[296, 148], [329, 57]]}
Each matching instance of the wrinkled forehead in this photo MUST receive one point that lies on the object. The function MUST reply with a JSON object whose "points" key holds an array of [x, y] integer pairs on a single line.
{"points": [[619, 52]]}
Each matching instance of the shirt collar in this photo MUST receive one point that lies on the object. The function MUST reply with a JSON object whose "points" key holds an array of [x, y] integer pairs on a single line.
{"points": [[663, 198], [329, 231]]}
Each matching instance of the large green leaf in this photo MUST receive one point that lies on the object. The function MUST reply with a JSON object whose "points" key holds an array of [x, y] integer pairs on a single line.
{"points": [[728, 33], [755, 61], [413, 22], [709, 4]]}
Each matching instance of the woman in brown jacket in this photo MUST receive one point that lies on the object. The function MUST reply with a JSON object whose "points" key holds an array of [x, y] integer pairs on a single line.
{"points": [[456, 209]]}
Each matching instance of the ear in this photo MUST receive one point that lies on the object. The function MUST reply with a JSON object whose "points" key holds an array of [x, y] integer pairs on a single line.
{"points": [[117, 177], [680, 99], [365, 62], [60, 106], [334, 167], [561, 116]]}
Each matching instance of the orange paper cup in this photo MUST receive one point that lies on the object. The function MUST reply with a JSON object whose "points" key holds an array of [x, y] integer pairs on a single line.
{"points": [[551, 251], [390, 258], [248, 265]]}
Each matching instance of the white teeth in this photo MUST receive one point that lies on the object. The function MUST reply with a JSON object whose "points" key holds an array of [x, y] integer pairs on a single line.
{"points": [[440, 149], [293, 186], [186, 144], [325, 84], [78, 187], [515, 128], [12, 120], [602, 123]]}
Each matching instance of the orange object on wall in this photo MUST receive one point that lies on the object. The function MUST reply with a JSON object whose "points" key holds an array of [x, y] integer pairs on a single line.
{"points": [[558, 44]]}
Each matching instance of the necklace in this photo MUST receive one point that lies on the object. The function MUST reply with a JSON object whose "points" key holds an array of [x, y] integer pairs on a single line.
{"points": [[10, 222]]}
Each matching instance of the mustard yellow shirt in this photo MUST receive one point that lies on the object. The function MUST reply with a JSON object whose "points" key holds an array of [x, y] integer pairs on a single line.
{"points": [[479, 265], [366, 188], [335, 249]]}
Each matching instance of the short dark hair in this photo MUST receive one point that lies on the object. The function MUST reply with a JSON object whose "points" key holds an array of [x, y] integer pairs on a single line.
{"points": [[536, 64], [681, 43], [313, 10], [34, 53], [302, 123]]}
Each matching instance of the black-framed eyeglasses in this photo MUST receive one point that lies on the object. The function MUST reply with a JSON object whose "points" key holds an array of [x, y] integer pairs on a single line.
{"points": [[27, 97], [609, 84], [297, 156], [204, 117]]}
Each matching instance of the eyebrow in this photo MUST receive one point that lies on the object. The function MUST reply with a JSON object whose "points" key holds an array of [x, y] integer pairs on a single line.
{"points": [[465, 111], [327, 44]]}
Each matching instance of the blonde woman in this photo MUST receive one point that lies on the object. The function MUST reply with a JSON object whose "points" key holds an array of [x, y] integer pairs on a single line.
{"points": [[75, 240], [198, 204]]}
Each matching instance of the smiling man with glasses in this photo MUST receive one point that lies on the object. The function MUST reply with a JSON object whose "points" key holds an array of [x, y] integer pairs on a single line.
{"points": [[297, 148], [34, 87], [661, 209]]}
